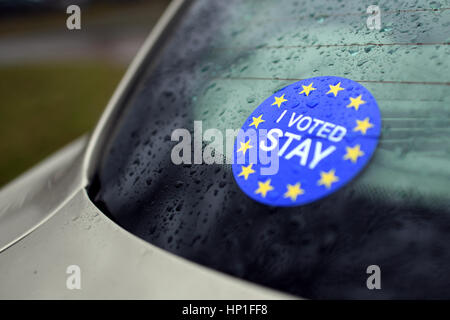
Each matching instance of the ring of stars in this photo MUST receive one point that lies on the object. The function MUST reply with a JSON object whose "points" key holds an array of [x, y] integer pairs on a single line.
{"points": [[324, 178]]}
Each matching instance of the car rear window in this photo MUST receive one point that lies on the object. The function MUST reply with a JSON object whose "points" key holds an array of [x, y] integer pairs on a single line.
{"points": [[222, 59]]}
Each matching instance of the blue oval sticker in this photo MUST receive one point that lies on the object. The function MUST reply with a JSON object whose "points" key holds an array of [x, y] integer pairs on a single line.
{"points": [[306, 141]]}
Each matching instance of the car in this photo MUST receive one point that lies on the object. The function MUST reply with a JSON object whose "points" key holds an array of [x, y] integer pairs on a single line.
{"points": [[117, 209]]}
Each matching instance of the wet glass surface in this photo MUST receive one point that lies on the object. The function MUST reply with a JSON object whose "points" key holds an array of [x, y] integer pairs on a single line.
{"points": [[222, 61]]}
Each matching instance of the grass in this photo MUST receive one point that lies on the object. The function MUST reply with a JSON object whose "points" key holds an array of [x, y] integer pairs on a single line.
{"points": [[137, 13], [45, 106]]}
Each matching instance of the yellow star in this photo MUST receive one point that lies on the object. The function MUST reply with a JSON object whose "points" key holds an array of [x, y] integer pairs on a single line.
{"points": [[335, 89], [245, 146], [263, 188], [356, 102], [246, 171], [294, 191], [279, 101], [327, 178], [307, 89], [353, 153], [363, 125], [257, 121]]}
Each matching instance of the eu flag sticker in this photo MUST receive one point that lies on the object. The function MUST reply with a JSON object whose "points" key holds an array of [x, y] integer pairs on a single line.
{"points": [[306, 141]]}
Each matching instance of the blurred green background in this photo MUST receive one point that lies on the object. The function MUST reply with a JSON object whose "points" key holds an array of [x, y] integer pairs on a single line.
{"points": [[54, 82]]}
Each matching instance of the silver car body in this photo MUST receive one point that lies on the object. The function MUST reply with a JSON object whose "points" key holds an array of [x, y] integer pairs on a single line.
{"points": [[48, 222]]}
